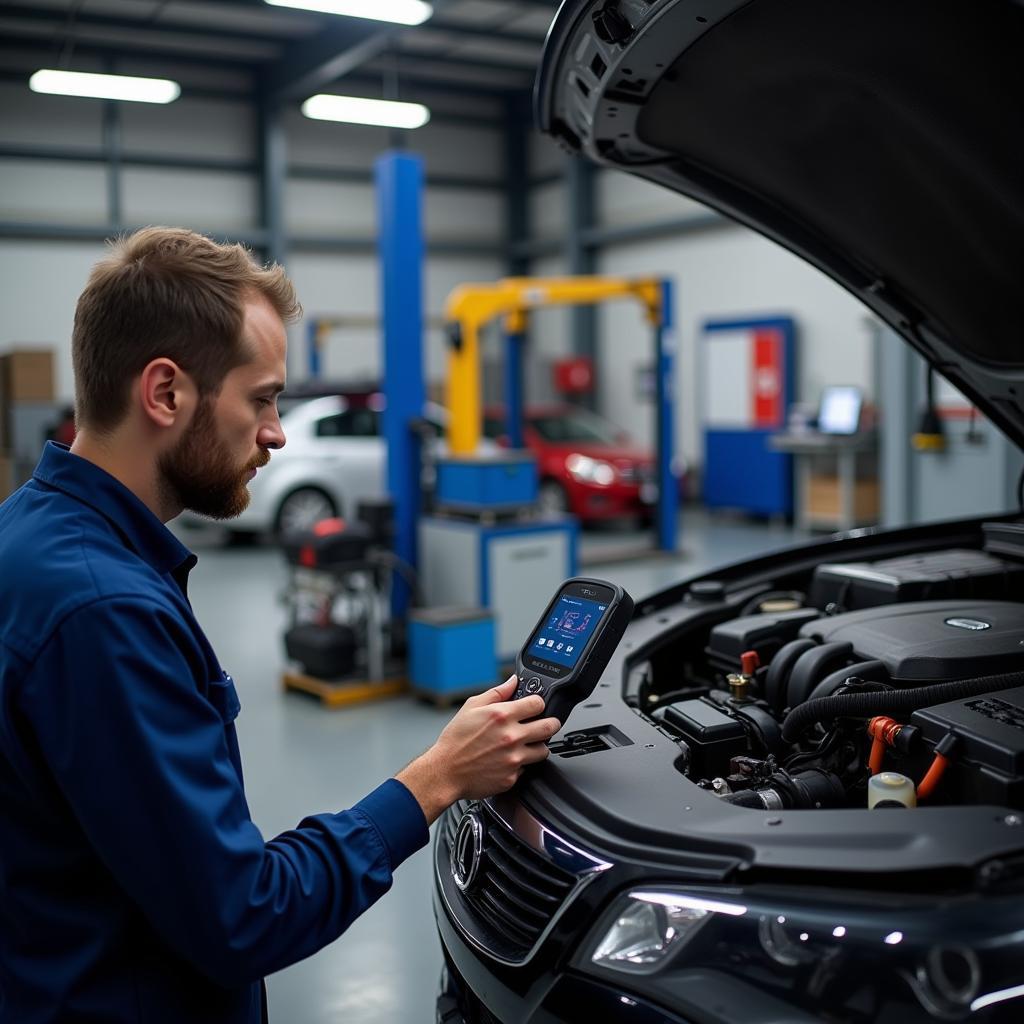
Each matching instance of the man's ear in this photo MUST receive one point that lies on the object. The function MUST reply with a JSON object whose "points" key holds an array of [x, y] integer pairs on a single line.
{"points": [[167, 394]]}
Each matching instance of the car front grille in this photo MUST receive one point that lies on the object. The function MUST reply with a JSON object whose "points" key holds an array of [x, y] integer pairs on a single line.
{"points": [[518, 891]]}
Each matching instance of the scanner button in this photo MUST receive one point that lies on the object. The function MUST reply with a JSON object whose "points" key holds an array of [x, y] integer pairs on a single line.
{"points": [[534, 685]]}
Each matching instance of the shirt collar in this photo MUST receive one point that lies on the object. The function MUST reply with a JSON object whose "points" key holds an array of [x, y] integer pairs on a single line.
{"points": [[142, 530]]}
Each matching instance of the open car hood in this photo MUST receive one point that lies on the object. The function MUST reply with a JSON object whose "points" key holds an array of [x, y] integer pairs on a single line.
{"points": [[881, 141]]}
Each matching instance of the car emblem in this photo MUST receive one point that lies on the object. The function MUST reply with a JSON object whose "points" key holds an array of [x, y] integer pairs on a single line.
{"points": [[972, 624], [467, 850]]}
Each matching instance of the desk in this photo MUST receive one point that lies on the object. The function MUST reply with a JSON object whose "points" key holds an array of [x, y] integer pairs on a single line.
{"points": [[858, 504]]}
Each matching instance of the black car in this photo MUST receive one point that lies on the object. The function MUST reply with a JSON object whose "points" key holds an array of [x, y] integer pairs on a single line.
{"points": [[798, 791]]}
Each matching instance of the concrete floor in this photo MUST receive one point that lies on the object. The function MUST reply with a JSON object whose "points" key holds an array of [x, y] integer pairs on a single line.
{"points": [[301, 759]]}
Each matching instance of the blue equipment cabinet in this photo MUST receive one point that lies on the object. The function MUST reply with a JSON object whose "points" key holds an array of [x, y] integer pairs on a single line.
{"points": [[487, 483], [512, 568], [747, 382], [451, 650]]}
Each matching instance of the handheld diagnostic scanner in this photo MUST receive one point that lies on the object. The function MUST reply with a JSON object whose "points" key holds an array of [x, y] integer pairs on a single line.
{"points": [[572, 643]]}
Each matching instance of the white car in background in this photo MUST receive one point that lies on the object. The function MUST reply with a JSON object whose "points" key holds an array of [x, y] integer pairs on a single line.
{"points": [[334, 458]]}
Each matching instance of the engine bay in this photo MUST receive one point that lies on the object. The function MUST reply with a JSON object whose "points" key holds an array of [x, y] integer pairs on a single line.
{"points": [[878, 684]]}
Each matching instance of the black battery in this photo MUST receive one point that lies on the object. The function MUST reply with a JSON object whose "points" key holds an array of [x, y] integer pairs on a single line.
{"points": [[327, 651], [712, 736]]}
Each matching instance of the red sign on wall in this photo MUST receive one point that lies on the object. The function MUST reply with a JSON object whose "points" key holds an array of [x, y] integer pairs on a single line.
{"points": [[768, 370], [574, 376]]}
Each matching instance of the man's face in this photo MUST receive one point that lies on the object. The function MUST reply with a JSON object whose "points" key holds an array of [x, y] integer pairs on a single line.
{"points": [[231, 433]]}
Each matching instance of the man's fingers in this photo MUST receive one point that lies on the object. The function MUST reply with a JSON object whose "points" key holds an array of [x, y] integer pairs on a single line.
{"points": [[534, 752], [527, 707], [541, 730], [495, 694]]}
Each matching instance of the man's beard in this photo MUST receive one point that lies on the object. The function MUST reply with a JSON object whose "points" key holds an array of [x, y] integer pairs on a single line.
{"points": [[201, 475]]}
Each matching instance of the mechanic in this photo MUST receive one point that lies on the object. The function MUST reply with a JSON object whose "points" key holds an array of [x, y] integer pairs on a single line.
{"points": [[134, 885]]}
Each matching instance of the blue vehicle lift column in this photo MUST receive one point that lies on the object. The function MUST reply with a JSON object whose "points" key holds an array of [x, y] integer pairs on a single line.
{"points": [[668, 488], [399, 179]]}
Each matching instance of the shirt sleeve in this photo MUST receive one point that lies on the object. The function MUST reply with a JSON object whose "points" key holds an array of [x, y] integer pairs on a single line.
{"points": [[142, 758]]}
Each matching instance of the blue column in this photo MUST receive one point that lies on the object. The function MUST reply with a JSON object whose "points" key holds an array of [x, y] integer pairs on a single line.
{"points": [[312, 349], [514, 389], [399, 179], [668, 488]]}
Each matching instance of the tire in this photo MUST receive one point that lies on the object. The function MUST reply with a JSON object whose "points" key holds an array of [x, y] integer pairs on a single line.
{"points": [[552, 499], [302, 509]]}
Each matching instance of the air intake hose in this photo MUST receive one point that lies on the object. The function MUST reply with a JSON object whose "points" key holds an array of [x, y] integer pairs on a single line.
{"points": [[893, 702]]}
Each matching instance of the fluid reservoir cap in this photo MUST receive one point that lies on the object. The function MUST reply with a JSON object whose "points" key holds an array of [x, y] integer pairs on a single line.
{"points": [[708, 590], [889, 788]]}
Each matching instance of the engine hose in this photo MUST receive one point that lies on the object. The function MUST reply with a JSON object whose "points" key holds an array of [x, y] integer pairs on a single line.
{"points": [[892, 702], [779, 669], [811, 667], [873, 671]]}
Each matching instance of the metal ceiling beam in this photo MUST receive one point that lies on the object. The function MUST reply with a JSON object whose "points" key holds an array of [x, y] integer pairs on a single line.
{"points": [[58, 19], [175, 161], [255, 238], [224, 60], [489, 33], [310, 65], [467, 64]]}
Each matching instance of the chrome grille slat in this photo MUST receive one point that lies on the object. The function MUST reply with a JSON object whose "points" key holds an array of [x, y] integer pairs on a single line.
{"points": [[526, 879], [545, 874], [495, 882], [508, 868], [501, 926], [527, 893], [510, 921]]}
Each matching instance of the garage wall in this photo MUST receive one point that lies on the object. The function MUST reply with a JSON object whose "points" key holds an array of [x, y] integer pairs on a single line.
{"points": [[722, 272], [40, 280]]}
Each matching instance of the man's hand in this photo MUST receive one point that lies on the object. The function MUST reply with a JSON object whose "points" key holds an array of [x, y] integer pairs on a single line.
{"points": [[481, 751]]}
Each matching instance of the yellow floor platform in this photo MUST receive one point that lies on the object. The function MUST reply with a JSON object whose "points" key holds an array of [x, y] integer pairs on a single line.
{"points": [[339, 694]]}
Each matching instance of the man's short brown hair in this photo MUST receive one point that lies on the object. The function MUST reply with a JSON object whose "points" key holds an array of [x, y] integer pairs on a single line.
{"points": [[165, 292]]}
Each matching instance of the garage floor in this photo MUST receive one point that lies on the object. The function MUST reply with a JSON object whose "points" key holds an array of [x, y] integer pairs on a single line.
{"points": [[300, 759]]}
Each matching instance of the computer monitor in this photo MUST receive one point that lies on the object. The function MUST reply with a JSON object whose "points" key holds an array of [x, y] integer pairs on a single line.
{"points": [[839, 412]]}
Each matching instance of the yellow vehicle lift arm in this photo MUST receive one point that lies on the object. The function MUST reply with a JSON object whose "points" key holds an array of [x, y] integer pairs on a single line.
{"points": [[470, 307]]}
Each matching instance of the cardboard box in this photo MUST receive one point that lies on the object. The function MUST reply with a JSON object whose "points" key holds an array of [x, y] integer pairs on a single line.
{"points": [[823, 500], [26, 375]]}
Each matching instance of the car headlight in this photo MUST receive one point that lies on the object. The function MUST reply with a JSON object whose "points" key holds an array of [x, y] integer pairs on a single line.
{"points": [[590, 471], [651, 926], [923, 958]]}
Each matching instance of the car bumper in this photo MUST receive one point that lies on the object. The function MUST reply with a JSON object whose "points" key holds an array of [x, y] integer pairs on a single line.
{"points": [[592, 502], [474, 991]]}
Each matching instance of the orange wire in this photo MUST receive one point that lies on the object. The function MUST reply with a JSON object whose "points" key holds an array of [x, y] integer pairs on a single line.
{"points": [[931, 779], [883, 731], [877, 753]]}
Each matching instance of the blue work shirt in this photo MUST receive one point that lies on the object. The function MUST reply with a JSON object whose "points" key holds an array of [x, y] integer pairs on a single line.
{"points": [[134, 885]]}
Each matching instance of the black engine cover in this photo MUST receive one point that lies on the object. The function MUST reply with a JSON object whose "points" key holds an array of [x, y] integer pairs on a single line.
{"points": [[936, 575], [932, 641]]}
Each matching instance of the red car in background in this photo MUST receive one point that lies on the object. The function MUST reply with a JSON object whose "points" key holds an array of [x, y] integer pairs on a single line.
{"points": [[587, 465]]}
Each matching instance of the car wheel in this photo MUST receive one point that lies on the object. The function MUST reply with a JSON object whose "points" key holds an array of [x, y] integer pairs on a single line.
{"points": [[552, 499], [302, 510]]}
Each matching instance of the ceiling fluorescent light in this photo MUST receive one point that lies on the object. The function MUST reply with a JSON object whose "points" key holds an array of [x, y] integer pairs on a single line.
{"points": [[401, 12], [105, 87], [355, 110]]}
